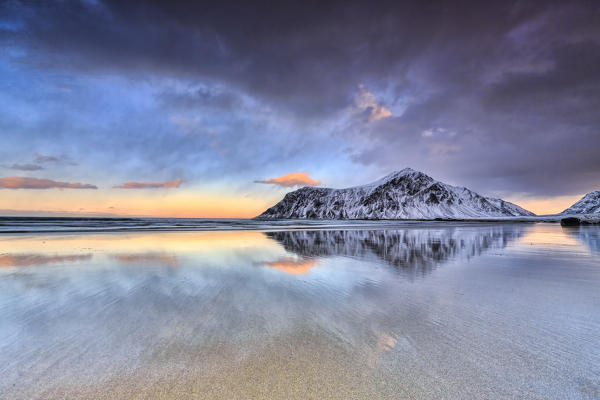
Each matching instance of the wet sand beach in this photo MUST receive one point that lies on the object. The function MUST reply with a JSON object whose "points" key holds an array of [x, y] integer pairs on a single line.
{"points": [[442, 311]]}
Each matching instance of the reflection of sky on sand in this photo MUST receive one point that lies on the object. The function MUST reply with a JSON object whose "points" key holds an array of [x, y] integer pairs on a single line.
{"points": [[162, 248], [293, 266], [135, 242], [147, 258], [25, 260], [587, 235], [333, 314]]}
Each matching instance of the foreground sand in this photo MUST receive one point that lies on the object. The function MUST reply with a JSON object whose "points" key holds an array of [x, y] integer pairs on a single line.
{"points": [[442, 311]]}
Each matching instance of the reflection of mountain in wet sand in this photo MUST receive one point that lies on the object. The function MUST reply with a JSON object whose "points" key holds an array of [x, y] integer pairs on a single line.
{"points": [[25, 260], [589, 235], [415, 251]]}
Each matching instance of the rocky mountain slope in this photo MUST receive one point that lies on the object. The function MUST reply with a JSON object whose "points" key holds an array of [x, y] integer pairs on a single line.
{"points": [[406, 194], [589, 204]]}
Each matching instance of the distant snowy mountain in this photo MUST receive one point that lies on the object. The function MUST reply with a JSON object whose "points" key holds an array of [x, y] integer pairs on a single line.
{"points": [[589, 204], [406, 194]]}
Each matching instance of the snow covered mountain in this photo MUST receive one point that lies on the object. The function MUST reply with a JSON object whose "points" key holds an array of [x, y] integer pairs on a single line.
{"points": [[406, 194], [589, 204]]}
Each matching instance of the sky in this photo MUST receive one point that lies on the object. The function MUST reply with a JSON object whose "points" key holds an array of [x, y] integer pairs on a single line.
{"points": [[190, 109]]}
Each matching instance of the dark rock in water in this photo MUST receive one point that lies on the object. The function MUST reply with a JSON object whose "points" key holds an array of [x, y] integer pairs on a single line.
{"points": [[583, 220], [570, 221]]}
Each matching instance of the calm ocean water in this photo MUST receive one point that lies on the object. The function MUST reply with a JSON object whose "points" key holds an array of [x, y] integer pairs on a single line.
{"points": [[248, 309], [85, 225]]}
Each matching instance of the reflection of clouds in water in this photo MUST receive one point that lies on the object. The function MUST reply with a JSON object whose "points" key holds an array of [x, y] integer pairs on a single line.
{"points": [[149, 314], [146, 258], [26, 260], [293, 266], [346, 300], [589, 235], [384, 344], [235, 315], [413, 251]]}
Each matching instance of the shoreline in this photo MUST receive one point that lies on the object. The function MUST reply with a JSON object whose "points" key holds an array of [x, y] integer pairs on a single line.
{"points": [[70, 225]]}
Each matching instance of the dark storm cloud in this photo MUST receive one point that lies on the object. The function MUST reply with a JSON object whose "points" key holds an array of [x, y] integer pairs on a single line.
{"points": [[151, 185], [25, 167], [574, 74], [43, 158], [63, 159], [500, 95], [202, 98], [308, 57]]}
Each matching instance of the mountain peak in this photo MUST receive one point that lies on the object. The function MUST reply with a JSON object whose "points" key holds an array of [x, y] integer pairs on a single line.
{"points": [[402, 172], [397, 174]]}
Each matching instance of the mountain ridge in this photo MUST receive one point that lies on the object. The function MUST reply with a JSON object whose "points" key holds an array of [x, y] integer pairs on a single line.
{"points": [[404, 194], [588, 204]]}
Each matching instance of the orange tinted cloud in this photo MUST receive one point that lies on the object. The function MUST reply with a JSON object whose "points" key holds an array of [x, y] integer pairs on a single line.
{"points": [[292, 179], [366, 102], [17, 182], [151, 185]]}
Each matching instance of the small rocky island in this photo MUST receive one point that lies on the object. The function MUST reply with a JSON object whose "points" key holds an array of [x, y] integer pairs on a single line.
{"points": [[405, 194]]}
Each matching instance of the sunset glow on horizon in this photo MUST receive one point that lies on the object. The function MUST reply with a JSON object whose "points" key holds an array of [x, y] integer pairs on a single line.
{"points": [[181, 204]]}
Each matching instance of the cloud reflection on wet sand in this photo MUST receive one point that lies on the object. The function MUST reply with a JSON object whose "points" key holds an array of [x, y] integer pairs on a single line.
{"points": [[27, 260], [461, 312], [293, 266], [147, 258]]}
